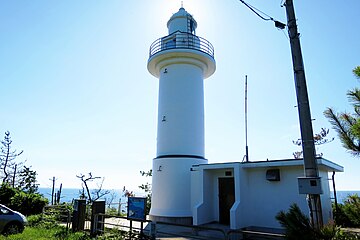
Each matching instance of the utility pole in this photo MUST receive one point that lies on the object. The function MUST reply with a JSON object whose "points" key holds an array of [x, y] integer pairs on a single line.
{"points": [[52, 192], [308, 146]]}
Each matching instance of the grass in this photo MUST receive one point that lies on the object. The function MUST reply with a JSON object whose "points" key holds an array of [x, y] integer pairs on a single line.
{"points": [[37, 233]]}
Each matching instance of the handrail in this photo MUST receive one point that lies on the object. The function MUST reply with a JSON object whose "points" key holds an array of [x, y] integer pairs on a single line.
{"points": [[262, 234], [181, 40]]}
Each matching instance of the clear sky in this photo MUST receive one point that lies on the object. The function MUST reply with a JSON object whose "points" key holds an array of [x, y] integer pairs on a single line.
{"points": [[77, 97]]}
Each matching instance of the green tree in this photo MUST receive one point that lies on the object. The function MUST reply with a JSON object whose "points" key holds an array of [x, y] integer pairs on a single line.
{"points": [[347, 125], [27, 180], [8, 164], [147, 189]]}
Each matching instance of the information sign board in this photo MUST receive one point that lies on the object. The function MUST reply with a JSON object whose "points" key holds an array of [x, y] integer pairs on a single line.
{"points": [[136, 208]]}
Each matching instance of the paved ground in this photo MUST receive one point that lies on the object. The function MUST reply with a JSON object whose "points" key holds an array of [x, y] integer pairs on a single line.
{"points": [[213, 231], [167, 232]]}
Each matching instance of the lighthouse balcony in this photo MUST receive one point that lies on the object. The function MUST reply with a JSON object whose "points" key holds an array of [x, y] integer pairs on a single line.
{"points": [[181, 40]]}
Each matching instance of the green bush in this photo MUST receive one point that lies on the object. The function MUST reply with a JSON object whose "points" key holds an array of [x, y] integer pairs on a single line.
{"points": [[348, 214], [28, 203], [342, 235], [34, 220], [18, 200], [6, 193], [42, 221], [297, 226], [112, 211]]}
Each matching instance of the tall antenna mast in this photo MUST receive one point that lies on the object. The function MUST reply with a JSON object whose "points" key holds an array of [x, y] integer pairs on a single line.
{"points": [[246, 142]]}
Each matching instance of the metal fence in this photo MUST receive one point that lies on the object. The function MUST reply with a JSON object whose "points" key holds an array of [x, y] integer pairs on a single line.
{"points": [[60, 214], [114, 225], [180, 40]]}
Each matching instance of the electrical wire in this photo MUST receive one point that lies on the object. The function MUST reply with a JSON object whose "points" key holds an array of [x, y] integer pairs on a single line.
{"points": [[255, 10], [282, 3], [278, 24], [286, 36]]}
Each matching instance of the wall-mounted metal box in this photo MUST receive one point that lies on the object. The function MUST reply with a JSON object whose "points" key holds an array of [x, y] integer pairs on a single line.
{"points": [[309, 185], [273, 175]]}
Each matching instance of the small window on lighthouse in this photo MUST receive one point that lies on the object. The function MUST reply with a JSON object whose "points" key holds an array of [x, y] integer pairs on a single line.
{"points": [[192, 30]]}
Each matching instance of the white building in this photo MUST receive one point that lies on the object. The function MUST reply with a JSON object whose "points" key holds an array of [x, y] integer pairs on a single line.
{"points": [[252, 193], [185, 188]]}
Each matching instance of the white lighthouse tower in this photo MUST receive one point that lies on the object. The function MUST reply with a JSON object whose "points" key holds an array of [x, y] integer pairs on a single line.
{"points": [[181, 61]]}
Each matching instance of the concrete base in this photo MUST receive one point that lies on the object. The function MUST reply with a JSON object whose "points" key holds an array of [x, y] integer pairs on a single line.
{"points": [[176, 220]]}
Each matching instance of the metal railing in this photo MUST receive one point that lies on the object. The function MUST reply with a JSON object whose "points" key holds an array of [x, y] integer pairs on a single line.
{"points": [[112, 224], [60, 214], [253, 234], [165, 229], [181, 40]]}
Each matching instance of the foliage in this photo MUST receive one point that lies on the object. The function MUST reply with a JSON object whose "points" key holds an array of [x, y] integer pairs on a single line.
{"points": [[27, 180], [345, 235], [26, 203], [128, 193], [8, 165], [58, 213], [356, 72], [13, 172], [319, 139], [340, 216], [147, 188], [40, 233], [34, 220], [112, 211], [347, 125], [113, 234], [41, 228], [348, 214], [6, 193], [297, 226]]}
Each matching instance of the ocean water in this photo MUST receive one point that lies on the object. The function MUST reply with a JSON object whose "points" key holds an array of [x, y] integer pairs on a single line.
{"points": [[68, 194], [112, 199], [342, 195]]}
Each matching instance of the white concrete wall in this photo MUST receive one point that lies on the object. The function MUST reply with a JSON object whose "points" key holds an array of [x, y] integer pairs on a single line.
{"points": [[180, 136], [237, 211], [202, 200], [205, 200], [326, 197], [171, 186], [257, 200], [181, 111], [264, 199]]}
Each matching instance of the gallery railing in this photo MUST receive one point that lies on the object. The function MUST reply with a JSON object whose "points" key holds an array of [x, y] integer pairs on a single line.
{"points": [[180, 40]]}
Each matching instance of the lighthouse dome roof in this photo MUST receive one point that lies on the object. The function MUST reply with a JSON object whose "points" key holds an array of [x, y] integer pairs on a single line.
{"points": [[180, 21]]}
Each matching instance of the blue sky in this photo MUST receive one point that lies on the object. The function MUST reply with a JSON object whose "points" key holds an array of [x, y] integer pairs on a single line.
{"points": [[77, 97]]}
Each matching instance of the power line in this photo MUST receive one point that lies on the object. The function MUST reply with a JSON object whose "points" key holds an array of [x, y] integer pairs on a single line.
{"points": [[255, 10], [278, 24]]}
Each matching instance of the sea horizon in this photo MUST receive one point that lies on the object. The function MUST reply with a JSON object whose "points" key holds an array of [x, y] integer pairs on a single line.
{"points": [[116, 195]]}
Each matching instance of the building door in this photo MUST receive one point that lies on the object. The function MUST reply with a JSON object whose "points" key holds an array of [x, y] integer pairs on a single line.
{"points": [[226, 199]]}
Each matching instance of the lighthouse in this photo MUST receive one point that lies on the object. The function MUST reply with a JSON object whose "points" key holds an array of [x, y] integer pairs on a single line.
{"points": [[181, 61]]}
